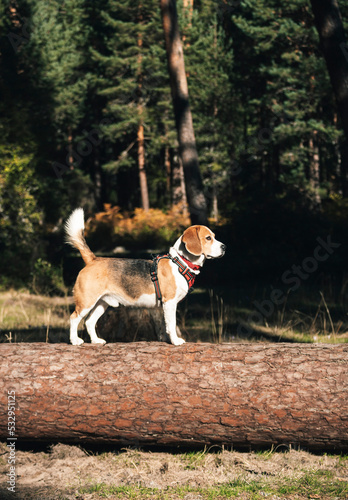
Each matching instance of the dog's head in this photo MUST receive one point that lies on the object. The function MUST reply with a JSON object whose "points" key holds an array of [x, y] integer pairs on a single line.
{"points": [[198, 243]]}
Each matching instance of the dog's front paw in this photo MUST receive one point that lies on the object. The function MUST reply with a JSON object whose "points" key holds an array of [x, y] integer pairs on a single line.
{"points": [[76, 341], [98, 341], [178, 341]]}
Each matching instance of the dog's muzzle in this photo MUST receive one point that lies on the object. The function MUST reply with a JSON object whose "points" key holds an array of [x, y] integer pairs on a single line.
{"points": [[223, 250], [221, 254]]}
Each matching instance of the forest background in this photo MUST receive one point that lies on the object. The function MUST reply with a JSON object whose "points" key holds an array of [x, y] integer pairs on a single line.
{"points": [[83, 84]]}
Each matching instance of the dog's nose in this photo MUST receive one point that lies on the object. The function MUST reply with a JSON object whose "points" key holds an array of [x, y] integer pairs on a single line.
{"points": [[223, 247]]}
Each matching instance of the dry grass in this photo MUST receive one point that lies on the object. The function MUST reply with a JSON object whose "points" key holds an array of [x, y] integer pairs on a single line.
{"points": [[28, 317], [68, 472], [202, 317], [214, 318]]}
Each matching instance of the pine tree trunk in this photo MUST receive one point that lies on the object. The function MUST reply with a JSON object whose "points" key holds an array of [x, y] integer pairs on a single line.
{"points": [[195, 394], [178, 184], [70, 150], [188, 14], [214, 204], [98, 182], [182, 187], [182, 113], [335, 49], [141, 166], [168, 168], [140, 135], [314, 173]]}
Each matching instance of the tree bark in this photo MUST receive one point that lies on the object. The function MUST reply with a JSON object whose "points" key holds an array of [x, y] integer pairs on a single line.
{"points": [[168, 168], [178, 182], [98, 182], [145, 203], [314, 171], [335, 49], [187, 14], [245, 395], [182, 113]]}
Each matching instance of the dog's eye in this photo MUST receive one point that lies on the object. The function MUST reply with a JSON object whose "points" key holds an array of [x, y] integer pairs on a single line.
{"points": [[208, 238]]}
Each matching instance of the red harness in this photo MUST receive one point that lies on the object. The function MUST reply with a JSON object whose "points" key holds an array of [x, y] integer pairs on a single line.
{"points": [[183, 270]]}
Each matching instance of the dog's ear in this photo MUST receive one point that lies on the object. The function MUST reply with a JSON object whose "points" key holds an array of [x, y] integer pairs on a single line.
{"points": [[192, 241]]}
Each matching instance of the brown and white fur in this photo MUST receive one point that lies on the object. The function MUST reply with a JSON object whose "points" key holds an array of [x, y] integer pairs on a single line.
{"points": [[107, 282]]}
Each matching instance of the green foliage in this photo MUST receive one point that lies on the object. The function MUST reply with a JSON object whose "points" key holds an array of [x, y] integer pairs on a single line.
{"points": [[58, 43], [20, 215], [292, 99], [46, 279], [78, 78], [130, 77], [209, 64]]}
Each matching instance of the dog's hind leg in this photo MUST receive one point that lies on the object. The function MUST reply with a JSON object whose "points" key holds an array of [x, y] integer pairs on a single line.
{"points": [[75, 319], [92, 319]]}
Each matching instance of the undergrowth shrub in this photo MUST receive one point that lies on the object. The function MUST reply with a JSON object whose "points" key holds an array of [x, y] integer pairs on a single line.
{"points": [[47, 279], [152, 229]]}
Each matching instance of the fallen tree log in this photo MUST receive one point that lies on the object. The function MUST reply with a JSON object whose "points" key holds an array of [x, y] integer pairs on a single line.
{"points": [[197, 394]]}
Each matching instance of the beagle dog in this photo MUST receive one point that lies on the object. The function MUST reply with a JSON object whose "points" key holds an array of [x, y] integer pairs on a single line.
{"points": [[107, 282]]}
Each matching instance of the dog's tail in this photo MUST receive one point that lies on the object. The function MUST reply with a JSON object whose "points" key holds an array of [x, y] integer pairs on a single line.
{"points": [[74, 228]]}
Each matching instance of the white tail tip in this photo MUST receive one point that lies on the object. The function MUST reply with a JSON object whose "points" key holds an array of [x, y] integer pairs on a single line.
{"points": [[74, 225]]}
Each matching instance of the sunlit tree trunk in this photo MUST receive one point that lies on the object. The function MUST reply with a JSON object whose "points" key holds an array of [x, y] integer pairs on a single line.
{"points": [[140, 135], [188, 13], [214, 204], [178, 182], [168, 168], [175, 178], [182, 113], [141, 165]]}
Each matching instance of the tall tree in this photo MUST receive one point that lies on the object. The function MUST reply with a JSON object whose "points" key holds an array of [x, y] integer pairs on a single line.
{"points": [[129, 78], [140, 135], [209, 63], [335, 49], [57, 52], [182, 112], [289, 127]]}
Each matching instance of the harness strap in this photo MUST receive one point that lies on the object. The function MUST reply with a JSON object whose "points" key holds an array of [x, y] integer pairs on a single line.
{"points": [[183, 270], [154, 277]]}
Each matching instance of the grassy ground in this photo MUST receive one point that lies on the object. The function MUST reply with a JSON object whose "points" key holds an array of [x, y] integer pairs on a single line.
{"points": [[68, 472], [249, 315], [228, 316], [29, 317], [20, 310]]}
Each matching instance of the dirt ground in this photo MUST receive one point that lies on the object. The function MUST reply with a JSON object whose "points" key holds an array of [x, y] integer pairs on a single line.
{"points": [[69, 472]]}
